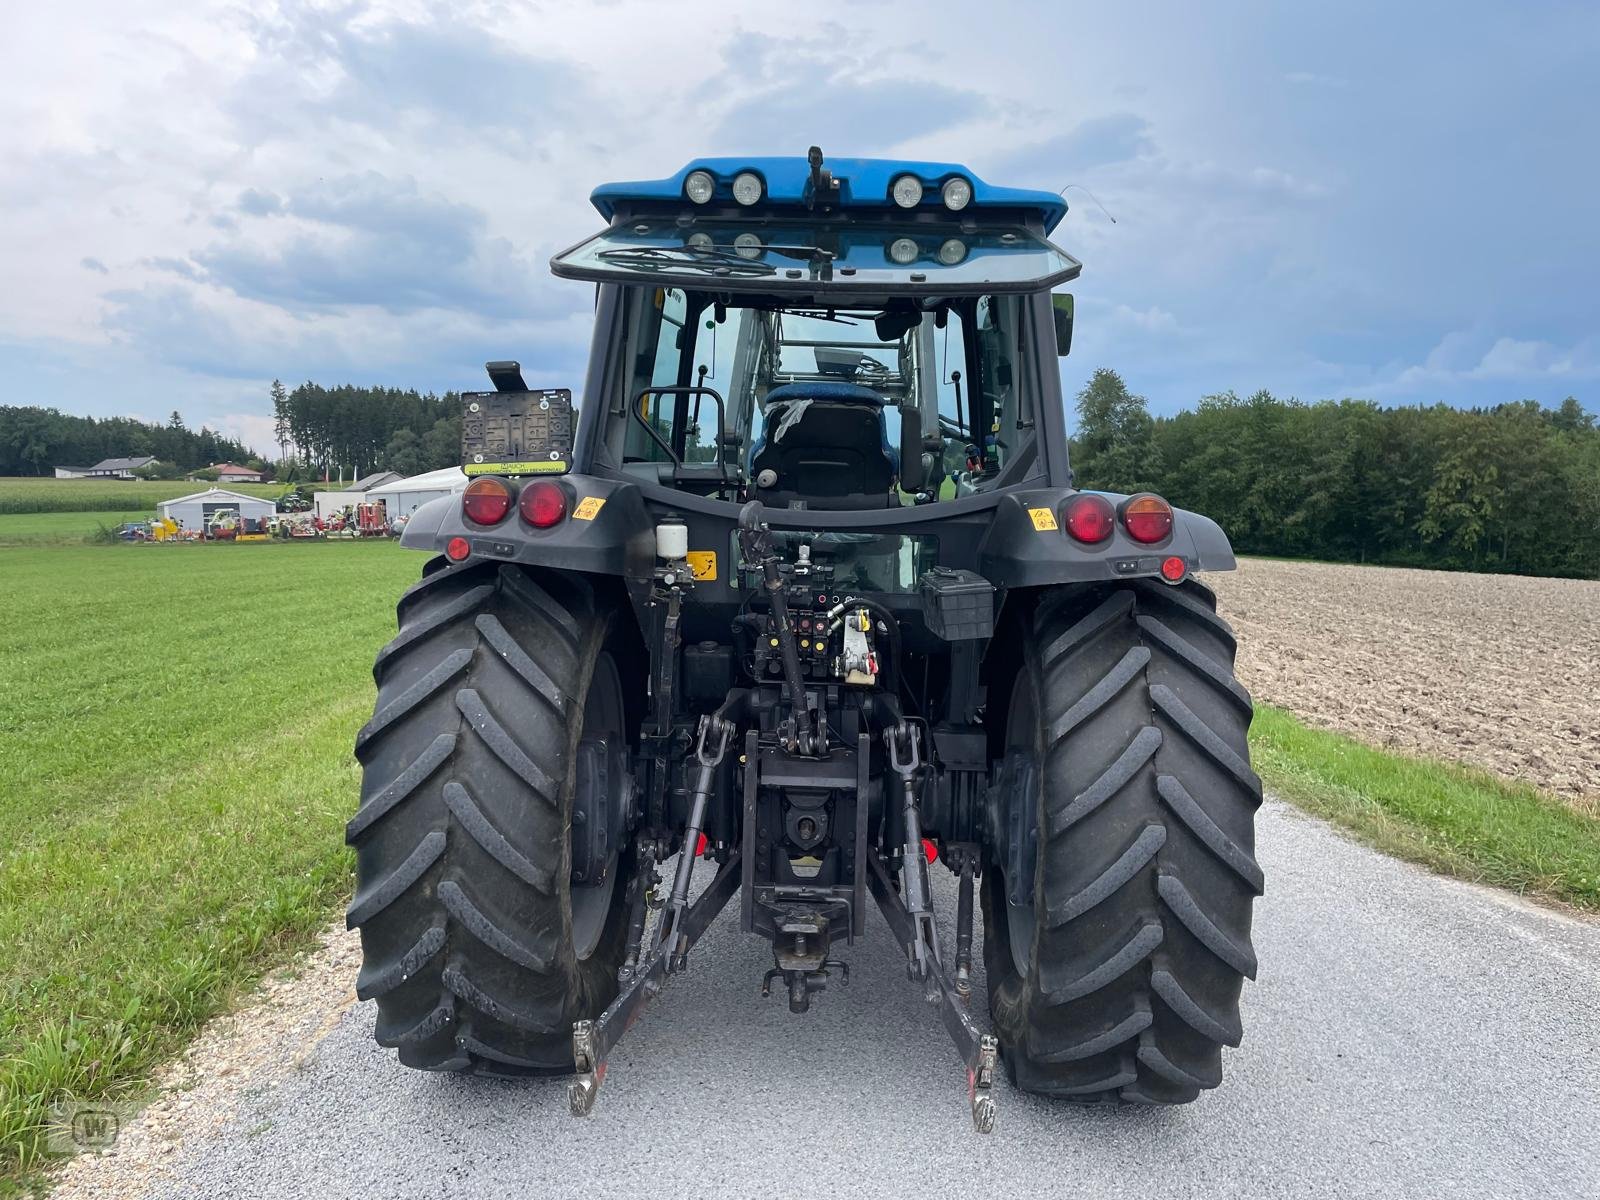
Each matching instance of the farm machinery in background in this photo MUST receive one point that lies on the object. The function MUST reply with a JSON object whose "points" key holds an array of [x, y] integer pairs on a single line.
{"points": [[802, 597]]}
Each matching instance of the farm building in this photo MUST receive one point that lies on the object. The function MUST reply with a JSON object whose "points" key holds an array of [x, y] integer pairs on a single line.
{"points": [[232, 473], [404, 496], [71, 472], [192, 512], [325, 504], [118, 468]]}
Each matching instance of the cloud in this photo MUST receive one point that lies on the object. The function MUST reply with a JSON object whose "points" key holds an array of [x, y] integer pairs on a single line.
{"points": [[371, 240], [822, 91], [367, 189], [439, 75], [255, 430], [1470, 356], [1312, 79], [1097, 142], [172, 266], [256, 203]]}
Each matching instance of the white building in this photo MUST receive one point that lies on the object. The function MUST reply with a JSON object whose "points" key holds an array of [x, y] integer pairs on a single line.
{"points": [[404, 496], [193, 512], [118, 468], [325, 504]]}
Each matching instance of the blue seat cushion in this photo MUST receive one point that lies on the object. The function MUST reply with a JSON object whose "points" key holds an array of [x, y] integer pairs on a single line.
{"points": [[837, 393]]}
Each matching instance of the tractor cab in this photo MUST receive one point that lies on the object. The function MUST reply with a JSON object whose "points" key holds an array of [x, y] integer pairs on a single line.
{"points": [[859, 337]]}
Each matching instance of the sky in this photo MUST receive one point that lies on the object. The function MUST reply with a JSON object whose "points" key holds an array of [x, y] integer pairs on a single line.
{"points": [[1386, 201]]}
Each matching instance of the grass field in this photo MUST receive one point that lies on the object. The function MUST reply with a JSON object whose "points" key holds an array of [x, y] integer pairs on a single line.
{"points": [[61, 528], [1456, 820], [26, 494], [175, 772]]}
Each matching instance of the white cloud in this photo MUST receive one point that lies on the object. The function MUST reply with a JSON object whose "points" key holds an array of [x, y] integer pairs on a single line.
{"points": [[1465, 356]]}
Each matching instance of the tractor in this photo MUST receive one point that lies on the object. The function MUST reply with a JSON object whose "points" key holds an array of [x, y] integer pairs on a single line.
{"points": [[795, 610]]}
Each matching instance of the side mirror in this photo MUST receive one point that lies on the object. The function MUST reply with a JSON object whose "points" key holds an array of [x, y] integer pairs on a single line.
{"points": [[1061, 304], [912, 475]]}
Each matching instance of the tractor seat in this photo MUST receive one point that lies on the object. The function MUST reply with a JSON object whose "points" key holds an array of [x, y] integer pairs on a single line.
{"points": [[825, 444]]}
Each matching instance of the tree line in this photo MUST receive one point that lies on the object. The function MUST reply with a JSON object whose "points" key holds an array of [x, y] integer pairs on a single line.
{"points": [[334, 430], [34, 441], [1512, 488]]}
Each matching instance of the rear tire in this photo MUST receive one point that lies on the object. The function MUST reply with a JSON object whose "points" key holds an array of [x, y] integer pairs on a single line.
{"points": [[1121, 980], [463, 856]]}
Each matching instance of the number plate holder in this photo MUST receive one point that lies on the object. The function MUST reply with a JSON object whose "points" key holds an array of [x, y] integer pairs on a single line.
{"points": [[517, 433]]}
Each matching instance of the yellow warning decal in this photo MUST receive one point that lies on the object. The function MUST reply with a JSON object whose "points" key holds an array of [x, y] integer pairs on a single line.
{"points": [[703, 563], [1044, 519], [588, 508]]}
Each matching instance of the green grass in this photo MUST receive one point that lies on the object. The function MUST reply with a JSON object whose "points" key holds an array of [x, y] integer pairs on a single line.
{"points": [[60, 528], [1453, 819], [26, 494], [175, 771]]}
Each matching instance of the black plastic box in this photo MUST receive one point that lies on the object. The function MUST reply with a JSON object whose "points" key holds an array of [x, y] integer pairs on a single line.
{"points": [[957, 605]]}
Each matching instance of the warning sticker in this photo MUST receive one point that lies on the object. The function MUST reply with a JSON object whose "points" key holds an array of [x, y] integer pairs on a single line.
{"points": [[588, 508], [703, 563], [1044, 519]]}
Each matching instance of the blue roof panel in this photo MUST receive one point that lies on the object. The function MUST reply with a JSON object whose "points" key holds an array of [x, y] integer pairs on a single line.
{"points": [[863, 183]]}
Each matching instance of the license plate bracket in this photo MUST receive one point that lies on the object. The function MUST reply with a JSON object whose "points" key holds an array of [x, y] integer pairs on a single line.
{"points": [[517, 433]]}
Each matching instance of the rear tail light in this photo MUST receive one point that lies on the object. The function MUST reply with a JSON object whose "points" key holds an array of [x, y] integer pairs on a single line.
{"points": [[1147, 518], [543, 504], [1089, 518], [487, 500]]}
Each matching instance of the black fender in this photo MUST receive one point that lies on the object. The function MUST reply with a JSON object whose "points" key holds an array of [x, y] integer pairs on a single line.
{"points": [[1026, 545], [607, 531]]}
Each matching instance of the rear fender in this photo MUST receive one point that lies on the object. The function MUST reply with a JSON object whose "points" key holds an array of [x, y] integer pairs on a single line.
{"points": [[1026, 545], [606, 531]]}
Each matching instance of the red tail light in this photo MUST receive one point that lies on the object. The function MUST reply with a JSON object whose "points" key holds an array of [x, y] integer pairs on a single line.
{"points": [[1147, 518], [487, 500], [1089, 518], [457, 548], [543, 504]]}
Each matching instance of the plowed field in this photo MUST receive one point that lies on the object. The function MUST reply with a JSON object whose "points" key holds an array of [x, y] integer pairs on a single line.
{"points": [[1496, 671]]}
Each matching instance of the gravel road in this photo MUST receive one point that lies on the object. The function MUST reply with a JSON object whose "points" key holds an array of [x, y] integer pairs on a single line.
{"points": [[1409, 1036]]}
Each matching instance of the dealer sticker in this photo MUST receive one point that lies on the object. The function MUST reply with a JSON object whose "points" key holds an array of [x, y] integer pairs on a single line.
{"points": [[1044, 519], [588, 508]]}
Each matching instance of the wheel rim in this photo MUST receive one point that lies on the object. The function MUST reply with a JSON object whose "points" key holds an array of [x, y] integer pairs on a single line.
{"points": [[1022, 739], [602, 718]]}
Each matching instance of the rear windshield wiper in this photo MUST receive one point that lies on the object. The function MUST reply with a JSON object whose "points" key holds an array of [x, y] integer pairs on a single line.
{"points": [[684, 258]]}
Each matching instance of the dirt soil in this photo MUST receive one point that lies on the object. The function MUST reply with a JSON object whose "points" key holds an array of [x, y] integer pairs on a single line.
{"points": [[1494, 671]]}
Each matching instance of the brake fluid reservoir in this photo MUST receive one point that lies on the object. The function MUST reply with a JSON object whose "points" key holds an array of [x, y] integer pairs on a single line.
{"points": [[672, 540]]}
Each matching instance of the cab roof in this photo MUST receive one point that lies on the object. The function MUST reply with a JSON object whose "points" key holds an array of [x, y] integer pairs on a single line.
{"points": [[863, 184]]}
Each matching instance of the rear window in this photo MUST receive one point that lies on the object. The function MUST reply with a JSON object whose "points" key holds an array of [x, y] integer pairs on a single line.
{"points": [[875, 259]]}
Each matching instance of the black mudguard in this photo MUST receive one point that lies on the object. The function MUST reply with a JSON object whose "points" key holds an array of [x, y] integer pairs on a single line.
{"points": [[607, 531], [1025, 546]]}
